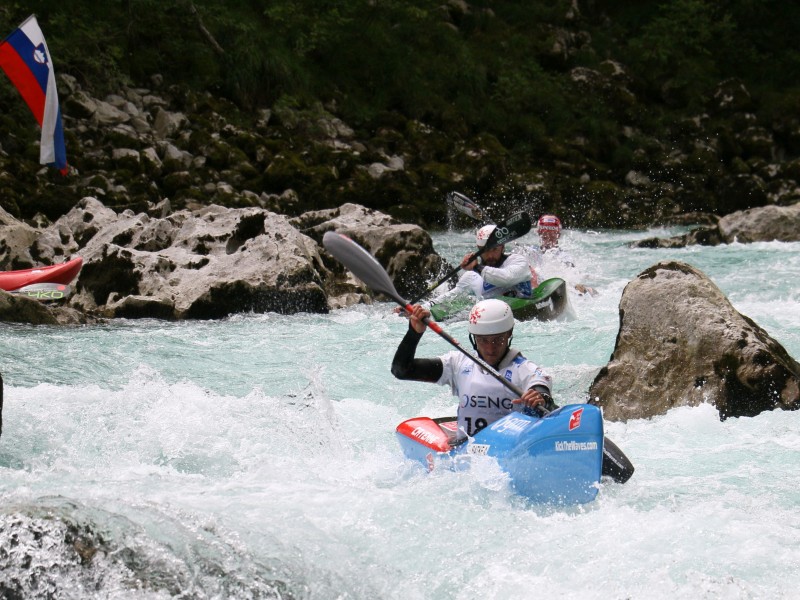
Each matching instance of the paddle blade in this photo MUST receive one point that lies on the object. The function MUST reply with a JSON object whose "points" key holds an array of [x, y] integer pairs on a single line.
{"points": [[362, 264], [44, 291], [615, 464], [514, 227], [463, 204]]}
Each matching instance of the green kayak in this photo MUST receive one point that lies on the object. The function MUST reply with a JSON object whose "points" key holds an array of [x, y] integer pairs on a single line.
{"points": [[548, 301]]}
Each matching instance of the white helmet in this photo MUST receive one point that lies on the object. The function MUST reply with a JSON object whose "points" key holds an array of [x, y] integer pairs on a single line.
{"points": [[484, 233], [489, 317]]}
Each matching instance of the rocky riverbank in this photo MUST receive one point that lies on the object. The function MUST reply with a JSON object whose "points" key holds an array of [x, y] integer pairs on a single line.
{"points": [[211, 262], [144, 146]]}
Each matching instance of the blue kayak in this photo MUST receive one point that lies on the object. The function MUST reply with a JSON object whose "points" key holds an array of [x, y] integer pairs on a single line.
{"points": [[555, 459]]}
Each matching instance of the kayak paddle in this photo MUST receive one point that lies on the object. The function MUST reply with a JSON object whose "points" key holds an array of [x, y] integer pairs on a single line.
{"points": [[515, 227], [369, 270], [463, 204], [43, 291]]}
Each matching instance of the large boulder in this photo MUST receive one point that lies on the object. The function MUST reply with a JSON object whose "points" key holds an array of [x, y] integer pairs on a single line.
{"points": [[216, 261], [681, 343], [763, 224], [73, 231], [208, 263], [405, 251]]}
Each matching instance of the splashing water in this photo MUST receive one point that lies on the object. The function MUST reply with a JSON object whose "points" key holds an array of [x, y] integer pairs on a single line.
{"points": [[255, 457]]}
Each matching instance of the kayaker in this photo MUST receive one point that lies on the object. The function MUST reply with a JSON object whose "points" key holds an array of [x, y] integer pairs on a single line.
{"points": [[482, 399], [549, 231], [493, 274]]}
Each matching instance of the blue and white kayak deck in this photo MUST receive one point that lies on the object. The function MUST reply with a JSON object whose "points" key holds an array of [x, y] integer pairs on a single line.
{"points": [[555, 459]]}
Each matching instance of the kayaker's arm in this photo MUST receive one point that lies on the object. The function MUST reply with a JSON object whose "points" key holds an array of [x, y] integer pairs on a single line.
{"points": [[514, 269], [405, 366]]}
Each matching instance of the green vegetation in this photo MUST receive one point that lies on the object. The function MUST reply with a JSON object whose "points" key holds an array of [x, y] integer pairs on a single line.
{"points": [[477, 69], [499, 70]]}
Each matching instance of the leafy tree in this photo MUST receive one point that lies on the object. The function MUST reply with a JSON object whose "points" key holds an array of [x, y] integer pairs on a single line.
{"points": [[676, 49]]}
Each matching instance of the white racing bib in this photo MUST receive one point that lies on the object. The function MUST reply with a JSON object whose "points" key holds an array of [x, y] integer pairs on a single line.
{"points": [[481, 398]]}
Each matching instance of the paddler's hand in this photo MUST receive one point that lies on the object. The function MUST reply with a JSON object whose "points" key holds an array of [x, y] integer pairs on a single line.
{"points": [[415, 318], [467, 264], [531, 399]]}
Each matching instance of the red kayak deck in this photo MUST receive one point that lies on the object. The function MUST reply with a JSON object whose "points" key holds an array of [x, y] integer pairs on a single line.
{"points": [[62, 273]]}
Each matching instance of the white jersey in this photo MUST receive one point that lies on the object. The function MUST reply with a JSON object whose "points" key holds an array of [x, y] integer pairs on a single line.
{"points": [[512, 278], [481, 398]]}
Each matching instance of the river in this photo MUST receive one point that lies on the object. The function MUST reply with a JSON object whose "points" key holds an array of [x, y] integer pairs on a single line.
{"points": [[255, 457]]}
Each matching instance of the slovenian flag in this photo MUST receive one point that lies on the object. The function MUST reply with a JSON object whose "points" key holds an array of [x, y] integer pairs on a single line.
{"points": [[26, 60]]}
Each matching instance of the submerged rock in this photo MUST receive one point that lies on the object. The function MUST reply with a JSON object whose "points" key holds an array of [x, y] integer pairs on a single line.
{"points": [[682, 343], [55, 547]]}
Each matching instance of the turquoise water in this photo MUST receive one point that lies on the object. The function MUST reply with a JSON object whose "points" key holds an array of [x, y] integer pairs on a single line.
{"points": [[255, 457]]}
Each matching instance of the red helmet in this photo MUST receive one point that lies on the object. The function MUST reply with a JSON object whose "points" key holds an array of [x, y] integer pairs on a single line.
{"points": [[549, 222]]}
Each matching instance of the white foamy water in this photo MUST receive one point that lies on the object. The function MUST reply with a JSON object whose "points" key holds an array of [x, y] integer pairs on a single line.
{"points": [[255, 457]]}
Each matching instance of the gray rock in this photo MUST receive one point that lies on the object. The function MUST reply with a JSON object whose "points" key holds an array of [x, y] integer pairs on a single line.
{"points": [[637, 179], [703, 236], [681, 343], [16, 239], [173, 158], [201, 264], [80, 104], [152, 160], [216, 261], [405, 251], [127, 158], [764, 224], [167, 123], [71, 232], [19, 309], [107, 114]]}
